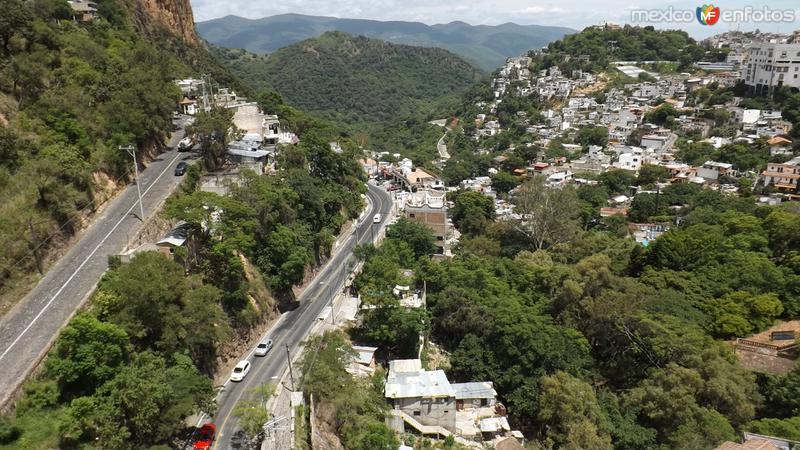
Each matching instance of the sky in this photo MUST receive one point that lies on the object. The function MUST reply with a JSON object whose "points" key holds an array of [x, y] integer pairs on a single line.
{"points": [[570, 13]]}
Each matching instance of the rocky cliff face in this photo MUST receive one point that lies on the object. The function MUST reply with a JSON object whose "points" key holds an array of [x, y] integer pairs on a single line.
{"points": [[172, 16]]}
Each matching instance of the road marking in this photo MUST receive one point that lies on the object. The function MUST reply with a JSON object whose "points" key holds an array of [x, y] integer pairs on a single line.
{"points": [[324, 273], [103, 241], [204, 416]]}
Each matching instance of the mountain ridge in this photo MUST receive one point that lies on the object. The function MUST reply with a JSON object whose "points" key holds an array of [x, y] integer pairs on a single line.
{"points": [[480, 44], [355, 78]]}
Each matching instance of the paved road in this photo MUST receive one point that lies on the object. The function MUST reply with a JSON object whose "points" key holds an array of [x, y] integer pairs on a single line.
{"points": [[29, 329], [293, 326], [441, 147]]}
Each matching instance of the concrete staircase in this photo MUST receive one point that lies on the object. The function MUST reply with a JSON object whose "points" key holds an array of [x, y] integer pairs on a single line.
{"points": [[422, 429]]}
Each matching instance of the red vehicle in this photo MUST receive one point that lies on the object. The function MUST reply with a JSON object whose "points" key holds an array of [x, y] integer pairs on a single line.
{"points": [[204, 437]]}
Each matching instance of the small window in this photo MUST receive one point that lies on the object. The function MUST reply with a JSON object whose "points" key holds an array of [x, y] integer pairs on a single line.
{"points": [[446, 411], [416, 413], [484, 402]]}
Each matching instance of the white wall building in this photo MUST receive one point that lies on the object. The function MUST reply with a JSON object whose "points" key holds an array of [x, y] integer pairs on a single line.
{"points": [[769, 66], [630, 159]]}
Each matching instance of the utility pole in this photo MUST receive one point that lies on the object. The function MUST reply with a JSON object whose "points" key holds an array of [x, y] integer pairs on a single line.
{"points": [[205, 98], [35, 248], [658, 194], [132, 151], [291, 373]]}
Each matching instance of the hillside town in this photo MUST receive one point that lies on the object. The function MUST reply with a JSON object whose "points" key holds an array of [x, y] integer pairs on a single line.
{"points": [[761, 63], [279, 234]]}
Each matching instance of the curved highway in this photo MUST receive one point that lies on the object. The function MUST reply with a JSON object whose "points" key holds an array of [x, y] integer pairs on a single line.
{"points": [[294, 326]]}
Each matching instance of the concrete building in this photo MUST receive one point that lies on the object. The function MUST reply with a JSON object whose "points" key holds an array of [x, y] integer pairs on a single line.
{"points": [[712, 170], [424, 395], [429, 207], [774, 350], [247, 155], [247, 117], [420, 178], [779, 145], [83, 10], [654, 141], [630, 158], [429, 403], [769, 66], [783, 176], [190, 86], [478, 394], [271, 127]]}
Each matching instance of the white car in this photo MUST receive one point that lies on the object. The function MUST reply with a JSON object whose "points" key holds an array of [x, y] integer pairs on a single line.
{"points": [[263, 347], [185, 144], [376, 218], [241, 370]]}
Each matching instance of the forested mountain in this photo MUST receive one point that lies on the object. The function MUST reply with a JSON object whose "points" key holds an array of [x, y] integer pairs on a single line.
{"points": [[485, 45], [355, 79]]}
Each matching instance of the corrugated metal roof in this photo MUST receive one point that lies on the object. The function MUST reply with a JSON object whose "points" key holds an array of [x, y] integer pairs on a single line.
{"points": [[407, 379], [247, 153], [365, 354], [494, 424], [404, 365], [177, 236], [476, 389]]}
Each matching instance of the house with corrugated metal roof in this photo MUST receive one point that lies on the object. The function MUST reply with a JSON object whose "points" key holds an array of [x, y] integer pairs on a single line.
{"points": [[429, 403]]}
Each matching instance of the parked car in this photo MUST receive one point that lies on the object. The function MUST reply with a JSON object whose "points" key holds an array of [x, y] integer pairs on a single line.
{"points": [[180, 169], [263, 347], [376, 218], [241, 370], [185, 144], [204, 437]]}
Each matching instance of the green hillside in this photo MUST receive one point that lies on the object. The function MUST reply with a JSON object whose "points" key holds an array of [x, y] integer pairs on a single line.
{"points": [[600, 45], [70, 94], [487, 46], [355, 79]]}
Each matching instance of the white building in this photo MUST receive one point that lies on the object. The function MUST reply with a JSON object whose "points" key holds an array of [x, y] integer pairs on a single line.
{"points": [[712, 170], [770, 65], [559, 179], [630, 158], [654, 141]]}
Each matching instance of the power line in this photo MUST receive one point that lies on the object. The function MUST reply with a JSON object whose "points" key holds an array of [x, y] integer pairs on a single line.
{"points": [[56, 232]]}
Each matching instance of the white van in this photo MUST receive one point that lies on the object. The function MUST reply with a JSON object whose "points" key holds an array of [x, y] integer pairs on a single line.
{"points": [[376, 218]]}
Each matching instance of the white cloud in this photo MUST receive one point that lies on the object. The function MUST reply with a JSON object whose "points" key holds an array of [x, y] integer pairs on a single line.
{"points": [[544, 9], [572, 13]]}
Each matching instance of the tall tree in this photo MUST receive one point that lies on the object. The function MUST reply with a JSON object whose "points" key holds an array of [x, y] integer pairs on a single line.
{"points": [[549, 215], [87, 354], [573, 418], [214, 130]]}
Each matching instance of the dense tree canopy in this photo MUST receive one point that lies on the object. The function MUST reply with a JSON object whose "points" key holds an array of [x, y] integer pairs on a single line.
{"points": [[356, 79]]}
